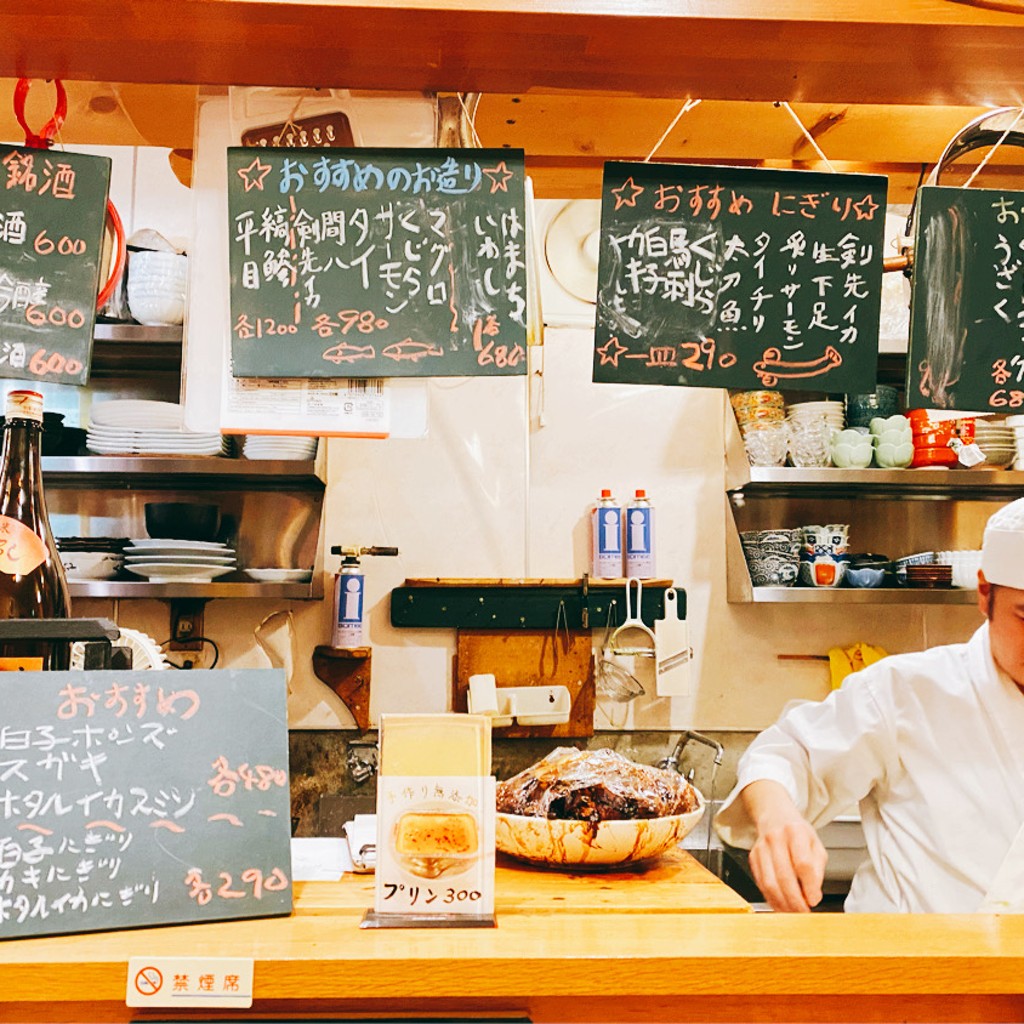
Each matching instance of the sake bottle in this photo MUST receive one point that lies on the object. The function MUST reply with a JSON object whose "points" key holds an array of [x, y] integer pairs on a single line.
{"points": [[32, 580]]}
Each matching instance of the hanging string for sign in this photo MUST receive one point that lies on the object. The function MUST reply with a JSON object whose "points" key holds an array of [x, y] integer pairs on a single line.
{"points": [[988, 156], [684, 109], [807, 135], [471, 120]]}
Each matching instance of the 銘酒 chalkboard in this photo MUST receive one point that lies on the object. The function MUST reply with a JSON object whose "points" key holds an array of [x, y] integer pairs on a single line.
{"points": [[377, 262], [739, 277], [966, 311], [142, 798], [52, 210]]}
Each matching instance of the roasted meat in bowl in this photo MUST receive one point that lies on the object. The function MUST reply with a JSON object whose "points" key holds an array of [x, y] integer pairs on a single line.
{"points": [[593, 807]]}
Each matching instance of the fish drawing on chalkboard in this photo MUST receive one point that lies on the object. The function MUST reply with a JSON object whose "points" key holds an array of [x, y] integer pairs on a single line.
{"points": [[346, 353], [414, 350], [772, 368], [940, 281]]}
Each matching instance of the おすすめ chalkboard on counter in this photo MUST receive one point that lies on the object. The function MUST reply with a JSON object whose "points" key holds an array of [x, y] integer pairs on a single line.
{"points": [[377, 262], [142, 798], [53, 206], [967, 311], [739, 277]]}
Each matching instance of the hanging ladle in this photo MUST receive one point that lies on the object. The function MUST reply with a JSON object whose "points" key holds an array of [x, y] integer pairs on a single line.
{"points": [[634, 636]]}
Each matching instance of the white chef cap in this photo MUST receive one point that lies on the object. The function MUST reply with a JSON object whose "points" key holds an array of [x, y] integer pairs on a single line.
{"points": [[1002, 550]]}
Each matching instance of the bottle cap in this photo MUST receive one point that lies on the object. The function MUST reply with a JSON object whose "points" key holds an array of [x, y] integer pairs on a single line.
{"points": [[25, 405], [641, 493], [605, 492]]}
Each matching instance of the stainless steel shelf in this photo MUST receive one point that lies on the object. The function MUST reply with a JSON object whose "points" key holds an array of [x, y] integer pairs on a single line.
{"points": [[181, 473], [965, 484], [129, 589], [852, 595], [120, 349]]}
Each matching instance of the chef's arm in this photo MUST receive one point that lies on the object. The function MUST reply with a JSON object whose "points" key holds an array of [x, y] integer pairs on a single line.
{"points": [[787, 858]]}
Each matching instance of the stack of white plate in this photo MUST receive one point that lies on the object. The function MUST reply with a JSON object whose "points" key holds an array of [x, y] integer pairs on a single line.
{"points": [[142, 427], [1016, 424], [997, 441], [270, 446], [178, 561]]}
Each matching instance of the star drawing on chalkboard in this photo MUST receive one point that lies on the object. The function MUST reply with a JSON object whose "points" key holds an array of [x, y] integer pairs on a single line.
{"points": [[254, 174], [628, 186], [866, 208], [499, 177], [610, 351]]}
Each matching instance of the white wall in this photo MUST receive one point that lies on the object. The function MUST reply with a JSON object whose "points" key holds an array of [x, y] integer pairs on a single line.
{"points": [[492, 491]]}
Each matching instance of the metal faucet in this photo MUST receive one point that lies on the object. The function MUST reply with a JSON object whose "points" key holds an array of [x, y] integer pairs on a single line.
{"points": [[361, 760], [672, 761]]}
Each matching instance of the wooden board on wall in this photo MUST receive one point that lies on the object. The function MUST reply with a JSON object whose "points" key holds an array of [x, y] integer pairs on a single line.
{"points": [[530, 657]]}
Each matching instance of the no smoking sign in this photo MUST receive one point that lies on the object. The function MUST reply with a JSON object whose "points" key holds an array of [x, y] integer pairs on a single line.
{"points": [[190, 981]]}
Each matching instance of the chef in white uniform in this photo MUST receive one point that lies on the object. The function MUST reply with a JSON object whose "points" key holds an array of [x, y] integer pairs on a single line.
{"points": [[931, 747]]}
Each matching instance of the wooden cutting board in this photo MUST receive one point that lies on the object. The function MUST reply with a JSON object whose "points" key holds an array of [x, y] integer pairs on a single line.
{"points": [[530, 657]]}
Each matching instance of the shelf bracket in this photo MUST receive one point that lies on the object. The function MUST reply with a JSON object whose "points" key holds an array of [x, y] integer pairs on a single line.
{"points": [[347, 672]]}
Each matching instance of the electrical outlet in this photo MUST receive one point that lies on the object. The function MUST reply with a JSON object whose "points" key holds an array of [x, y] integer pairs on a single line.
{"points": [[187, 626]]}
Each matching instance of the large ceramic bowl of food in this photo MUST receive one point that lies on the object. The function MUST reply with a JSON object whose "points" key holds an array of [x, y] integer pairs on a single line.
{"points": [[593, 808]]}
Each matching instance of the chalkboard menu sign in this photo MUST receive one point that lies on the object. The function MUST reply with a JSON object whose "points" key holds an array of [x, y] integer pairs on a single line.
{"points": [[967, 308], [738, 277], [142, 798], [52, 210], [377, 262]]}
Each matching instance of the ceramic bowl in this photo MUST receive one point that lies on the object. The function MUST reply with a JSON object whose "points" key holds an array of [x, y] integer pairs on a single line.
{"points": [[554, 841], [823, 571], [893, 437], [894, 456], [156, 287], [865, 578], [829, 539], [851, 449], [772, 568], [91, 565]]}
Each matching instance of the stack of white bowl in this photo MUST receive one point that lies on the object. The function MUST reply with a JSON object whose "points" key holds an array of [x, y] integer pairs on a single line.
{"points": [[965, 567], [1016, 424], [997, 440], [270, 446], [832, 412]]}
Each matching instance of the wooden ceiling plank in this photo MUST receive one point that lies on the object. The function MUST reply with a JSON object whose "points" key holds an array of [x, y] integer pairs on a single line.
{"points": [[868, 51]]}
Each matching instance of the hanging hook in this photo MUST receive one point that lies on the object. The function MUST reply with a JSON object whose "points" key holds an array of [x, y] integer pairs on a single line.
{"points": [[562, 619], [42, 139]]}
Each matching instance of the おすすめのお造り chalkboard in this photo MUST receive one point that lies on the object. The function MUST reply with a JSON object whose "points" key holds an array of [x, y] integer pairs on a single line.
{"points": [[142, 798], [739, 277], [967, 311], [53, 207], [377, 262]]}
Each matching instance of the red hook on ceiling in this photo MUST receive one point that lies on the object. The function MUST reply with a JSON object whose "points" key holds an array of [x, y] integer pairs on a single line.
{"points": [[43, 139]]}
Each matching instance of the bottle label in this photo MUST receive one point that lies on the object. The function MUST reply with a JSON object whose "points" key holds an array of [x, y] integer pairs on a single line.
{"points": [[21, 550], [348, 622], [640, 541], [25, 405], [607, 555]]}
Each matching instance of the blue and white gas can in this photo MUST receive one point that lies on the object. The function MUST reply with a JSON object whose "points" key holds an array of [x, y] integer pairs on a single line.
{"points": [[606, 529], [640, 537], [348, 607]]}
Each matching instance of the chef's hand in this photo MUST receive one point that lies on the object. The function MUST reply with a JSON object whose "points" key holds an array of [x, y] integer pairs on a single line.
{"points": [[788, 859]]}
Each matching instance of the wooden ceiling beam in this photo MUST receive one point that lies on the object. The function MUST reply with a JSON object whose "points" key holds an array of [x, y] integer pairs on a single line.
{"points": [[843, 51]]}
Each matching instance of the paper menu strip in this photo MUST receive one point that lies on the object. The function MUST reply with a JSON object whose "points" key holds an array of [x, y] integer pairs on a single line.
{"points": [[435, 745]]}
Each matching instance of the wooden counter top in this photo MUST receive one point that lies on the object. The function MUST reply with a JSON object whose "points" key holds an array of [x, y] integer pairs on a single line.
{"points": [[668, 943]]}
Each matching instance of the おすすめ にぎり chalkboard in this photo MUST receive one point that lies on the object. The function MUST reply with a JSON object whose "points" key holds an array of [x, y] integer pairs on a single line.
{"points": [[967, 312], [142, 798], [377, 262], [53, 206], [738, 277]]}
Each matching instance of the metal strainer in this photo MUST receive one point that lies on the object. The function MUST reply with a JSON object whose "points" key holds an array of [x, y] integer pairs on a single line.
{"points": [[612, 679]]}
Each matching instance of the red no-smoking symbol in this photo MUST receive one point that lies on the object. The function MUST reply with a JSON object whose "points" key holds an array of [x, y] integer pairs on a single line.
{"points": [[148, 981]]}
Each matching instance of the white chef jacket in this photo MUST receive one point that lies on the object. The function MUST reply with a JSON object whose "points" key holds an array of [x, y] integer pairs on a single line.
{"points": [[931, 746]]}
